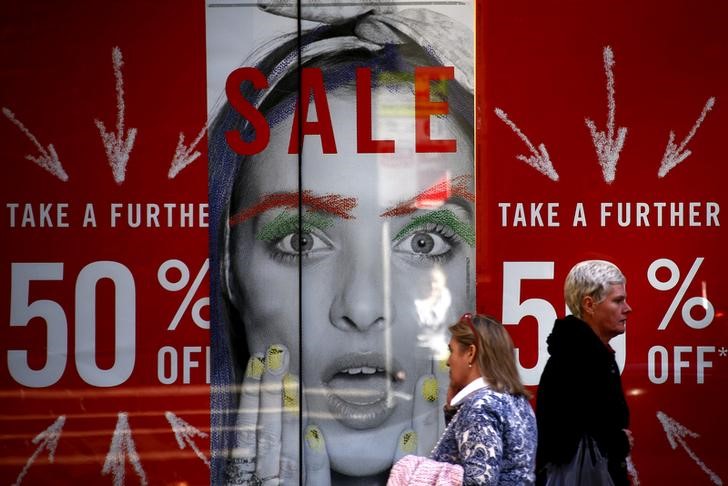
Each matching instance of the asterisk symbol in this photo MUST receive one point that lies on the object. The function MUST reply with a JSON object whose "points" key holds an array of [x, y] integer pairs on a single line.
{"points": [[723, 351]]}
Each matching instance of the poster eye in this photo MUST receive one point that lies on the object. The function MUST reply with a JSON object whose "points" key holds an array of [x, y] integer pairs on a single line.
{"points": [[303, 242], [424, 243]]}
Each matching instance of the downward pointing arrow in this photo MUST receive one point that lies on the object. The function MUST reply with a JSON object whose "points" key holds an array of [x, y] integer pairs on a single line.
{"points": [[48, 159], [184, 156], [676, 433], [122, 445], [184, 433], [539, 160], [48, 440], [674, 154], [606, 145], [632, 472], [118, 147]]}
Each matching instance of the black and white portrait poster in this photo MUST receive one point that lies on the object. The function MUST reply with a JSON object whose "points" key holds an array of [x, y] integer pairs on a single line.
{"points": [[343, 232]]}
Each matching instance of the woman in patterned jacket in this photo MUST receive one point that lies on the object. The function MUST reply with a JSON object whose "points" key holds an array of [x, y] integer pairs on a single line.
{"points": [[492, 433]]}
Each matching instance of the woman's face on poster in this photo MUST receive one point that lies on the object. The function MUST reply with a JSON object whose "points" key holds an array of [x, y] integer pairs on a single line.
{"points": [[386, 250]]}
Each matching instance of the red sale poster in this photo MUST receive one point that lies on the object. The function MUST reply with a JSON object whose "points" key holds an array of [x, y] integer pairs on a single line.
{"points": [[104, 221], [584, 130], [601, 126]]}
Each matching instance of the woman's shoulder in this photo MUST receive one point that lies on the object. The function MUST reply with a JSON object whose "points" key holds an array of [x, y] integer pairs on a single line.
{"points": [[503, 412], [488, 395], [500, 405], [487, 400]]}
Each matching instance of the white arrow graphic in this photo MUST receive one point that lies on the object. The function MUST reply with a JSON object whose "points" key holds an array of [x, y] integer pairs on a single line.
{"points": [[184, 156], [632, 472], [117, 146], [184, 433], [676, 433], [539, 160], [606, 145], [48, 159], [674, 154], [48, 440], [122, 445]]}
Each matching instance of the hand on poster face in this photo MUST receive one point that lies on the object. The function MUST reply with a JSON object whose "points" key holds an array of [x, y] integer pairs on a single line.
{"points": [[426, 412], [266, 443], [317, 469], [267, 424], [426, 424], [445, 394]]}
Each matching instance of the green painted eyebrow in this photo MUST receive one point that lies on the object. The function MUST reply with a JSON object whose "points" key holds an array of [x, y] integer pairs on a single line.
{"points": [[391, 78], [444, 217], [287, 223]]}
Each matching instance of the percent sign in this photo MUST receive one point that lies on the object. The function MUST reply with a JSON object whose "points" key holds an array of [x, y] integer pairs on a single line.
{"points": [[670, 284], [175, 286]]}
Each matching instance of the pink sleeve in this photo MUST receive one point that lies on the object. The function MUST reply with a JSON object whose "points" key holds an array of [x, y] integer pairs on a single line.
{"points": [[420, 471]]}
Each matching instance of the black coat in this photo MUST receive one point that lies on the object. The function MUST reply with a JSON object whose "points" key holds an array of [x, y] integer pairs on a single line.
{"points": [[580, 393]]}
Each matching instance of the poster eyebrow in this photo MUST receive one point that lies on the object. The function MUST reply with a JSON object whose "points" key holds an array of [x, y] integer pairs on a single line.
{"points": [[442, 190], [334, 204]]}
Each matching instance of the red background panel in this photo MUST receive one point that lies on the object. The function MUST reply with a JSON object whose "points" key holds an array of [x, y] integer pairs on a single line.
{"points": [[57, 78], [541, 62]]}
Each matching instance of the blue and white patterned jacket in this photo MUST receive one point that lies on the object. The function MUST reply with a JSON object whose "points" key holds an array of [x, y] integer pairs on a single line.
{"points": [[493, 437]]}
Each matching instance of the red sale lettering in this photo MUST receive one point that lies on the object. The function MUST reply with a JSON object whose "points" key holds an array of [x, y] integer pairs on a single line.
{"points": [[425, 107], [364, 142], [312, 86], [247, 110], [313, 89]]}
